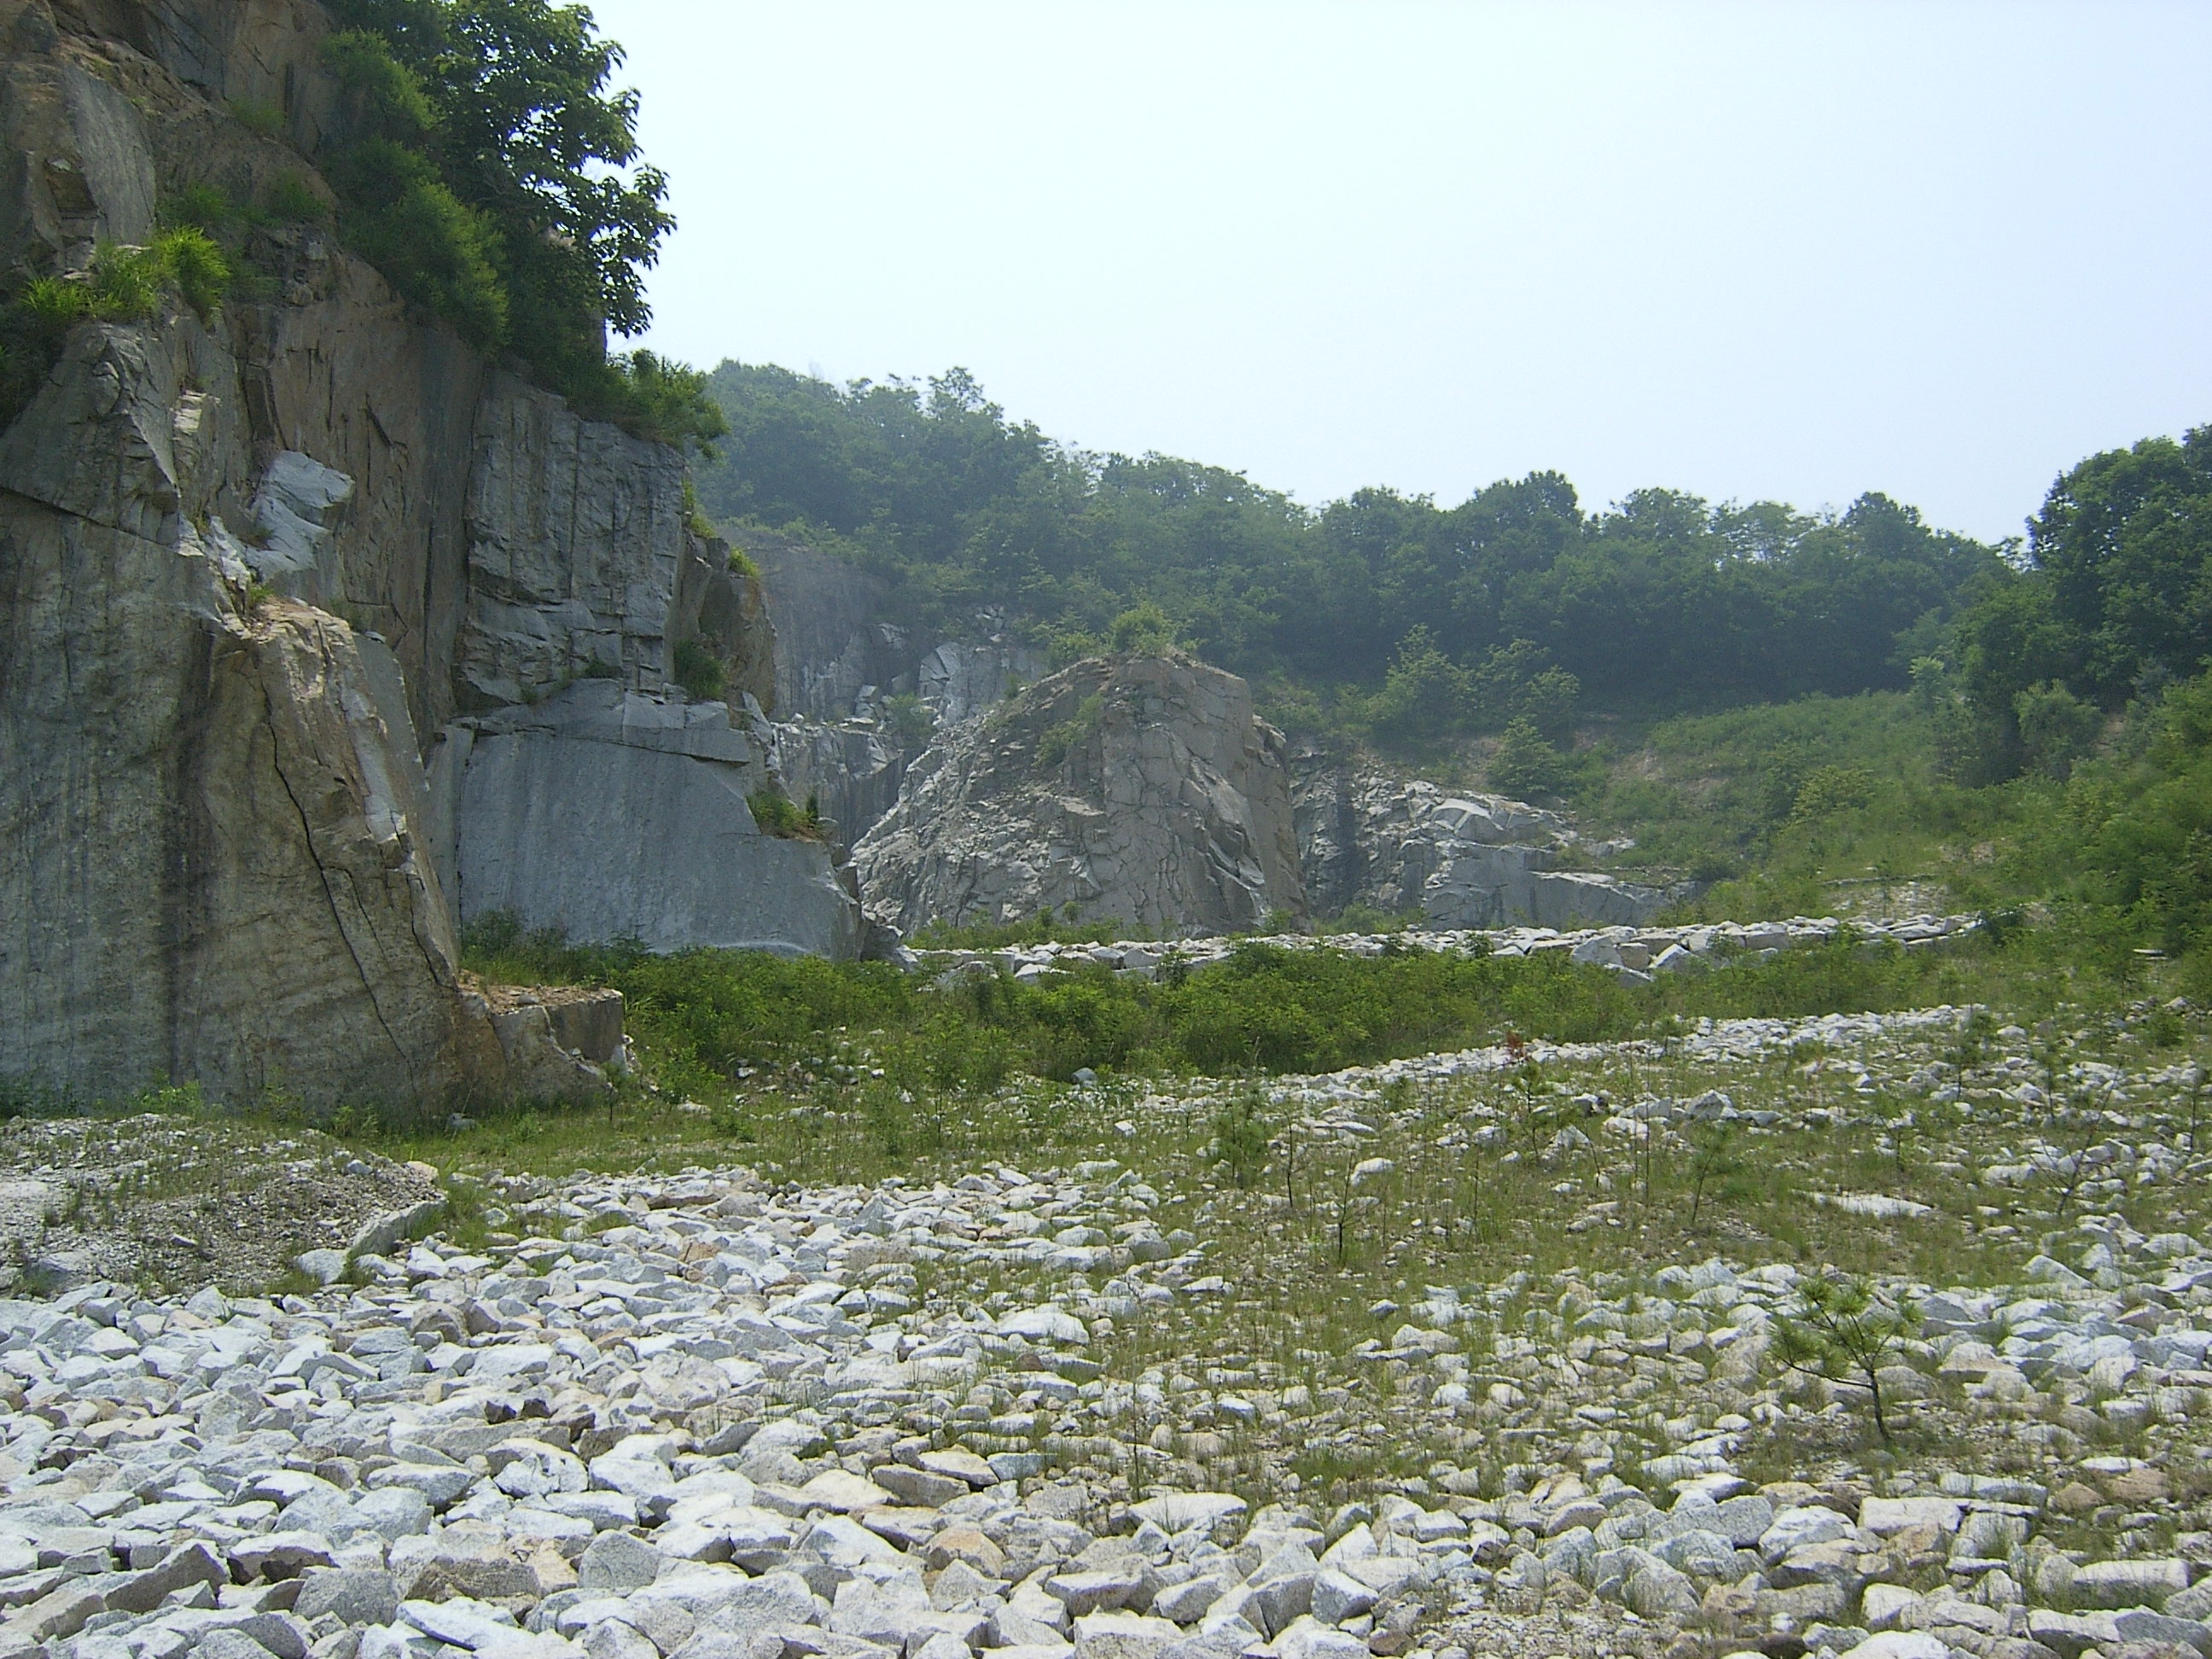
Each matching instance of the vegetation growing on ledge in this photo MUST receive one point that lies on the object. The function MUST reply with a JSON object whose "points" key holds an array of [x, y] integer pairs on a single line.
{"points": [[778, 815], [122, 285]]}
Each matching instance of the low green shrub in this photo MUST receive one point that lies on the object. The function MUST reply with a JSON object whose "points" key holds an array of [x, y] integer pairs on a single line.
{"points": [[778, 815], [123, 284], [438, 252], [1063, 739], [700, 670]]}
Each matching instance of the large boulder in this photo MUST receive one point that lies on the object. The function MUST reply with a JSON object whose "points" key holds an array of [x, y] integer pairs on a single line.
{"points": [[1143, 788]]}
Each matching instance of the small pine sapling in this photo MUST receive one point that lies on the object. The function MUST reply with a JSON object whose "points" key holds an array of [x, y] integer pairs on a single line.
{"points": [[1843, 1330]]}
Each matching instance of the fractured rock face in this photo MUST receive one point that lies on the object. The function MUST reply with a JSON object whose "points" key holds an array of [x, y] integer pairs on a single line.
{"points": [[1141, 788], [1468, 861], [576, 532]]}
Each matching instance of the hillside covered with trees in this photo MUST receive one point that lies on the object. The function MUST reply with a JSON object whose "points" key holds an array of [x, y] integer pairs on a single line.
{"points": [[1455, 615]]}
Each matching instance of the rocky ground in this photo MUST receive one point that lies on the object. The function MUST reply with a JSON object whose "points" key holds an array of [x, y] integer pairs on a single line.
{"points": [[1477, 1352], [176, 1199], [1637, 953]]}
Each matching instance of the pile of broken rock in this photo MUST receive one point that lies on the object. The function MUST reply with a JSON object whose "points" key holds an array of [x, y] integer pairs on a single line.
{"points": [[705, 1434]]}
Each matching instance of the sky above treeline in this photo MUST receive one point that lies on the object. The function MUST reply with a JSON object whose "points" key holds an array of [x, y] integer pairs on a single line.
{"points": [[1752, 251]]}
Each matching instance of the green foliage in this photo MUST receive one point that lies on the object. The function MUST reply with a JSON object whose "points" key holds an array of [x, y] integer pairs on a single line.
{"points": [[202, 206], [2056, 727], [122, 285], [778, 815], [1143, 631], [494, 180], [1044, 928], [1531, 607], [1526, 762], [1059, 741], [1425, 693], [652, 397], [1827, 790], [695, 518], [909, 720], [1843, 1331], [438, 252], [700, 670], [190, 258], [263, 120], [1240, 1134], [2114, 598]]}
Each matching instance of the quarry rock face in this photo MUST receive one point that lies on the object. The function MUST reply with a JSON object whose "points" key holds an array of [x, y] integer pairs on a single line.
{"points": [[1366, 838], [210, 868], [575, 534], [1143, 788], [610, 814], [251, 563]]}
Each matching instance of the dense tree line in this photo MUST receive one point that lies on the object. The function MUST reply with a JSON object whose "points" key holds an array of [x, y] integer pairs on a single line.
{"points": [[1662, 600], [2110, 606]]}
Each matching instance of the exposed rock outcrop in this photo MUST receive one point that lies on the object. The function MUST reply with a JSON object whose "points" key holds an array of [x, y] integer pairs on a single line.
{"points": [[576, 535], [610, 814], [1143, 788], [211, 870], [833, 625], [248, 562], [1461, 861], [842, 653], [851, 772]]}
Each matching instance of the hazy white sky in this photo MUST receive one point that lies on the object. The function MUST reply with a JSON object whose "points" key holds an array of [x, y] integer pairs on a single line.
{"points": [[1789, 251]]}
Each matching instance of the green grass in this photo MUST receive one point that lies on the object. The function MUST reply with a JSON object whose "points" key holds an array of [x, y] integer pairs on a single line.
{"points": [[712, 1021]]}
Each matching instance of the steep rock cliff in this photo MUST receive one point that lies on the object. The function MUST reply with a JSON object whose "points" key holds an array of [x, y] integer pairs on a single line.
{"points": [[1141, 788], [248, 565], [211, 866], [841, 654], [556, 800]]}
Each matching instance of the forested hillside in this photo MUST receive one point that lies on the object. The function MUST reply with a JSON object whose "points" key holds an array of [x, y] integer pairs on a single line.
{"points": [[1663, 601]]}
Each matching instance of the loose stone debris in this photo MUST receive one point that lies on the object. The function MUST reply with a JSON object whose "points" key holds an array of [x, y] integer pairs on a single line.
{"points": [[1635, 954], [703, 1416]]}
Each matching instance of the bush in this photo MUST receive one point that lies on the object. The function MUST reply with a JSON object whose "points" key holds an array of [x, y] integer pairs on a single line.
{"points": [[1525, 762], [700, 670], [291, 199], [2056, 727], [909, 719], [778, 815], [122, 285], [1827, 790], [1142, 631], [1060, 741], [191, 259], [653, 398], [437, 251]]}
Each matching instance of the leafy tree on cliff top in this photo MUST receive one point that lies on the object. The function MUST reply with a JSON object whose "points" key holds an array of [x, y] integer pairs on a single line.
{"points": [[496, 179]]}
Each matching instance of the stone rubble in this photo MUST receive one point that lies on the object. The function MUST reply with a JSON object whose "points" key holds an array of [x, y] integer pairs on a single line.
{"points": [[714, 1417], [718, 1426], [1635, 954]]}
